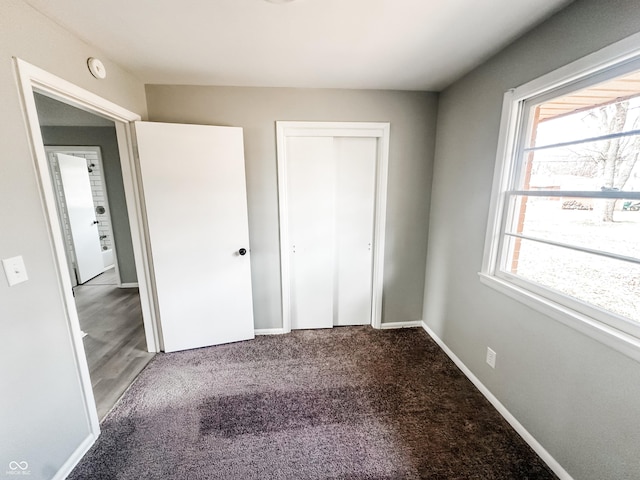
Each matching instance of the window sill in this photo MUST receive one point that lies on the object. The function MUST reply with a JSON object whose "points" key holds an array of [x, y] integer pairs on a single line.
{"points": [[619, 341]]}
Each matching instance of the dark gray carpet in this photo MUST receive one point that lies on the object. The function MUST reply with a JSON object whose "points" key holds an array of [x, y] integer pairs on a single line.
{"points": [[346, 403]]}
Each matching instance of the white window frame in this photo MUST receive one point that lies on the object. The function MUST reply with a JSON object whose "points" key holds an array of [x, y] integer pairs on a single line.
{"points": [[597, 323]]}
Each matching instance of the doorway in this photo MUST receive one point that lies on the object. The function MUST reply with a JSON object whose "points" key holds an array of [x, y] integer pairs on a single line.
{"points": [[89, 240], [32, 79], [85, 174], [332, 179]]}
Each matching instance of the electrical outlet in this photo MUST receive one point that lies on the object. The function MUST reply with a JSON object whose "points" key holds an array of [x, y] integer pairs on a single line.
{"points": [[491, 358]]}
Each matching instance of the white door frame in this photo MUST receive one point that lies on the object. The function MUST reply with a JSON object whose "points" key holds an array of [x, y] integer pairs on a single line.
{"points": [[378, 130], [33, 79]]}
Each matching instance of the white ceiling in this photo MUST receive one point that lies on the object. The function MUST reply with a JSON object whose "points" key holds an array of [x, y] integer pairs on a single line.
{"points": [[379, 44]]}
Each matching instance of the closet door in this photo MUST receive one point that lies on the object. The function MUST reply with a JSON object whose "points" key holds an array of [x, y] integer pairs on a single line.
{"points": [[355, 193], [330, 193], [310, 191]]}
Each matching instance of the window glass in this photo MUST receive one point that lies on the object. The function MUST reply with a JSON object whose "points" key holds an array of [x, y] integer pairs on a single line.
{"points": [[573, 210], [607, 283], [574, 221]]}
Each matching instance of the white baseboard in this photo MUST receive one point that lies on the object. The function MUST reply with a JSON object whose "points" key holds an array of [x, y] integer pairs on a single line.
{"points": [[128, 285], [75, 457], [415, 323], [269, 331], [517, 426]]}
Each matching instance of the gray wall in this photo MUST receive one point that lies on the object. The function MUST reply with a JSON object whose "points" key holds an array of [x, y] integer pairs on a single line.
{"points": [[41, 416], [412, 116], [580, 399], [105, 138]]}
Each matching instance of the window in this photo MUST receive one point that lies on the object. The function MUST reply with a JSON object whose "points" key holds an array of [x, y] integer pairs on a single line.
{"points": [[564, 232]]}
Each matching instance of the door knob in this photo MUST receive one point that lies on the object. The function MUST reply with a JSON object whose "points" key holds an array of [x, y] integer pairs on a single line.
{"points": [[242, 251]]}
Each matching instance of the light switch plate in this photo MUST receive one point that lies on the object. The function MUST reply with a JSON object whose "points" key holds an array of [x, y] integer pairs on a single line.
{"points": [[491, 357], [15, 270]]}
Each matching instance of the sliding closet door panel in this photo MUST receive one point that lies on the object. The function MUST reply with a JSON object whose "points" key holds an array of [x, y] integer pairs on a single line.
{"points": [[311, 182], [355, 192]]}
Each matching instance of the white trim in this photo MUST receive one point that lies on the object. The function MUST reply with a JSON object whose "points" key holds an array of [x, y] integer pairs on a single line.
{"points": [[134, 196], [381, 131], [616, 339], [501, 173], [546, 457], [71, 462], [129, 285], [269, 331], [391, 325], [30, 78], [25, 83], [380, 224], [589, 313]]}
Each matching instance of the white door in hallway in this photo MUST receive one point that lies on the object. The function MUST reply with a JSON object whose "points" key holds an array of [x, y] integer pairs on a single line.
{"points": [[331, 200], [194, 185], [76, 185]]}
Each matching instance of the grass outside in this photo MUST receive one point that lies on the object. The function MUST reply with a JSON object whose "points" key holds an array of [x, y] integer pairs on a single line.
{"points": [[608, 283]]}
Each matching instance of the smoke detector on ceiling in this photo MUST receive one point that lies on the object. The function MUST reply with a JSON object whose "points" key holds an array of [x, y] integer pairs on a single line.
{"points": [[96, 67]]}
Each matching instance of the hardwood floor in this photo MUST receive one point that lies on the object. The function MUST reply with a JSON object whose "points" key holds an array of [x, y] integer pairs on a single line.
{"points": [[107, 278], [115, 344]]}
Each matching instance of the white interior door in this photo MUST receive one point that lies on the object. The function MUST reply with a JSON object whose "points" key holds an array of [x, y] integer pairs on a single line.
{"points": [[195, 195], [331, 202], [76, 185]]}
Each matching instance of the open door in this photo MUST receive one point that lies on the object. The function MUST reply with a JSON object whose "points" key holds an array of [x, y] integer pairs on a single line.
{"points": [[82, 217], [194, 186]]}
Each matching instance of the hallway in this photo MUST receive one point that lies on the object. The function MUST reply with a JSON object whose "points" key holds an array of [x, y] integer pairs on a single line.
{"points": [[114, 342]]}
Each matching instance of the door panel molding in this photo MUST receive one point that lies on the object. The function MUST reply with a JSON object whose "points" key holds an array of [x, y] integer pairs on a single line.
{"points": [[377, 130]]}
